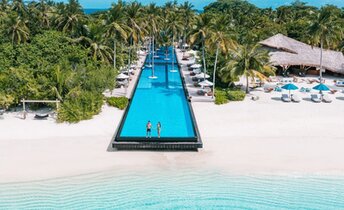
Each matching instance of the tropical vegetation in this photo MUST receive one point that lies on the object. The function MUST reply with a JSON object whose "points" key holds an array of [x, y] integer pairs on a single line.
{"points": [[55, 51], [118, 102]]}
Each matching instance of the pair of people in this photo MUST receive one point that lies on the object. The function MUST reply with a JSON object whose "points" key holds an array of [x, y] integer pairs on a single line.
{"points": [[149, 129]]}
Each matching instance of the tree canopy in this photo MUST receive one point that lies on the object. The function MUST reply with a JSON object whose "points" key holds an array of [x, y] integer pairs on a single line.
{"points": [[54, 50]]}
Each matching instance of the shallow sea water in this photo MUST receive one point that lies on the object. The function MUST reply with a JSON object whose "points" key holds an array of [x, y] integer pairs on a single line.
{"points": [[182, 189]]}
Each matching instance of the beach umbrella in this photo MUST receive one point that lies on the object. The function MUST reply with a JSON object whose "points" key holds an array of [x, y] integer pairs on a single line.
{"points": [[321, 87], [197, 71], [290, 87], [122, 76], [196, 66], [125, 71], [206, 83], [202, 76]]}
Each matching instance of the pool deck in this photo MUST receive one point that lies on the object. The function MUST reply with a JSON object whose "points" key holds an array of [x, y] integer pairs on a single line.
{"points": [[127, 92], [192, 90]]}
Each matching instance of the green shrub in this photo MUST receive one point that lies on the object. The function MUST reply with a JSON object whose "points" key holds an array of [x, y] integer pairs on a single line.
{"points": [[118, 102], [236, 95], [5, 101], [220, 97], [80, 105]]}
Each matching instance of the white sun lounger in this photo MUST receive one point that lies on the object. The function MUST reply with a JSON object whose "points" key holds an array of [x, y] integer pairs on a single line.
{"points": [[315, 98], [326, 99], [285, 98], [2, 112], [295, 98]]}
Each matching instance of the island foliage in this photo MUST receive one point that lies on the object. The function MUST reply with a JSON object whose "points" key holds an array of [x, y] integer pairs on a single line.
{"points": [[54, 51]]}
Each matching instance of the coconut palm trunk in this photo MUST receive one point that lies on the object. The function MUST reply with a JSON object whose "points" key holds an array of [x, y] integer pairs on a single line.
{"points": [[215, 65], [114, 54], [321, 58], [203, 55], [247, 84], [173, 70], [153, 66]]}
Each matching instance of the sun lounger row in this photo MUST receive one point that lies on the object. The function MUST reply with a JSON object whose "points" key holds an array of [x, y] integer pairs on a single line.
{"points": [[293, 98], [324, 98], [314, 97]]}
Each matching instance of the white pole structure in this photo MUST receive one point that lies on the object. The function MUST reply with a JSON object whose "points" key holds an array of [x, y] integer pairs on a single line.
{"points": [[150, 53], [321, 59], [114, 54], [214, 74], [203, 55], [38, 101], [173, 70], [24, 110], [153, 66]]}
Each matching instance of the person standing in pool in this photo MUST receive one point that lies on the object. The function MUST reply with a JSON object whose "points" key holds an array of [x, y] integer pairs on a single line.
{"points": [[158, 126], [149, 129]]}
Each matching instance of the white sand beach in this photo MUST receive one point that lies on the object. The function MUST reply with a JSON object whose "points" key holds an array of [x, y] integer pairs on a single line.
{"points": [[265, 136]]}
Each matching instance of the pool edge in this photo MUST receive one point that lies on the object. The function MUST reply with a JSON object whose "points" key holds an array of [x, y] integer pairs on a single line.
{"points": [[185, 144]]}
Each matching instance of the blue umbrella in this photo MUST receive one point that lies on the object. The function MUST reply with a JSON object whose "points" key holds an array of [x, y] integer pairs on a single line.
{"points": [[321, 87], [290, 87]]}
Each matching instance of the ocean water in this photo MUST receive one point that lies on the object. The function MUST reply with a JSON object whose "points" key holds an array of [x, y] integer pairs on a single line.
{"points": [[159, 100], [92, 6], [182, 189]]}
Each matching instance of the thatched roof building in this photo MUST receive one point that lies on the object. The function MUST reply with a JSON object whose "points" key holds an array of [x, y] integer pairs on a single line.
{"points": [[286, 52]]}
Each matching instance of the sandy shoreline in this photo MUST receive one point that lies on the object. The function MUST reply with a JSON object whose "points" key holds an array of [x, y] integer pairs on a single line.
{"points": [[246, 137], [265, 136]]}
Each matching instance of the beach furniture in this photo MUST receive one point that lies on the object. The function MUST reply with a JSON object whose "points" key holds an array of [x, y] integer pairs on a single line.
{"points": [[326, 99], [255, 98], [290, 87], [287, 80], [201, 92], [285, 98], [278, 89], [333, 91], [295, 98], [2, 112], [340, 83], [315, 98], [39, 116], [268, 90]]}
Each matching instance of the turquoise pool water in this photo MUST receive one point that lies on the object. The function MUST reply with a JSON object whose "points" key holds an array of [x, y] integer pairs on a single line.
{"points": [[184, 189], [159, 100]]}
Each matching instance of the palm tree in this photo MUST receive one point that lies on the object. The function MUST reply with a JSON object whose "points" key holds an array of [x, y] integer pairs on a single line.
{"points": [[19, 7], [174, 26], [200, 33], [325, 30], [97, 51], [151, 25], [116, 27], [188, 15], [133, 14], [4, 10], [71, 18], [4, 6], [248, 61], [44, 13], [220, 40], [17, 29]]}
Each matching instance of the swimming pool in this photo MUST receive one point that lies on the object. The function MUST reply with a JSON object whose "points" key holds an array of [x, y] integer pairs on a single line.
{"points": [[163, 100]]}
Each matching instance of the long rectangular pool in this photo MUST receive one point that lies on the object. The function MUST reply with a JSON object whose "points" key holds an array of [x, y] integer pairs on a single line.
{"points": [[163, 100]]}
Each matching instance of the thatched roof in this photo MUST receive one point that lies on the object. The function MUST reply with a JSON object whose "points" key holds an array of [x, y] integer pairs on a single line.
{"points": [[285, 51]]}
